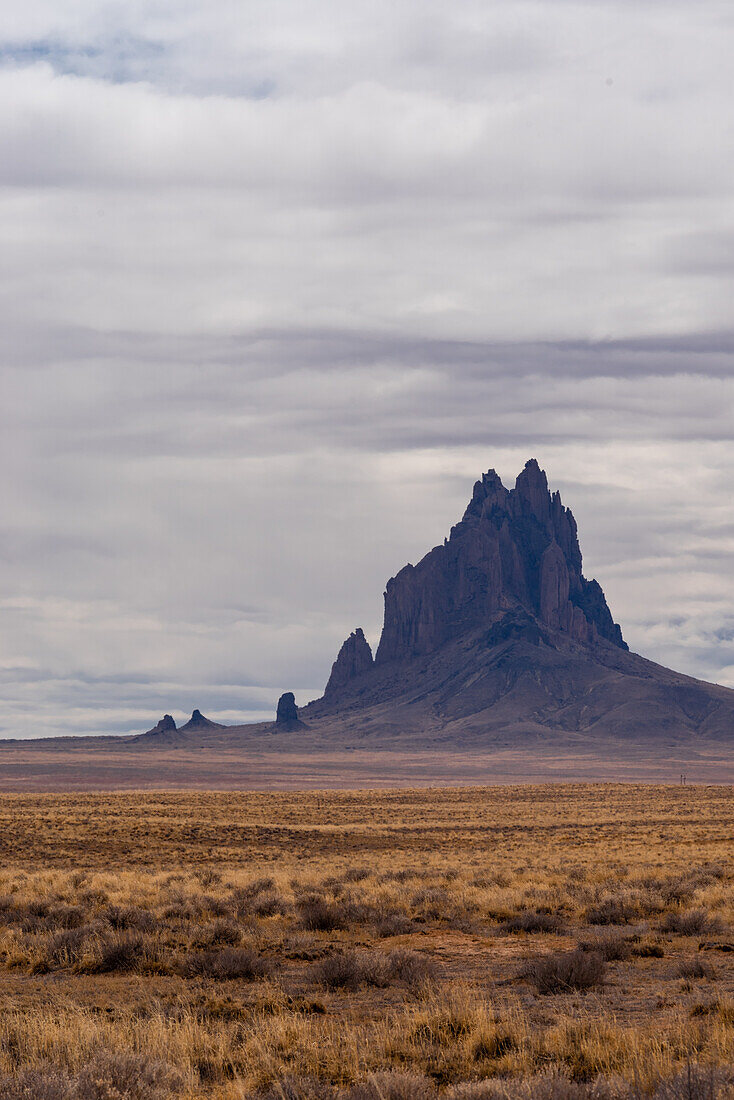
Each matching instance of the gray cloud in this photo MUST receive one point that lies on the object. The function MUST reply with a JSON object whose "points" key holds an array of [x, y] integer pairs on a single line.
{"points": [[278, 282]]}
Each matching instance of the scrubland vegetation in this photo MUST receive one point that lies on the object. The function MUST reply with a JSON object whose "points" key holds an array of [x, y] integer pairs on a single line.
{"points": [[551, 942]]}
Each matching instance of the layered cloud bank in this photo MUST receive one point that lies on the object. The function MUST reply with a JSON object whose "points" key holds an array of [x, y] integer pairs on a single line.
{"points": [[279, 281]]}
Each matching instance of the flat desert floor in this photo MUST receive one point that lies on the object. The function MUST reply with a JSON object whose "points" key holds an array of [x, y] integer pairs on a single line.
{"points": [[86, 764], [551, 941]]}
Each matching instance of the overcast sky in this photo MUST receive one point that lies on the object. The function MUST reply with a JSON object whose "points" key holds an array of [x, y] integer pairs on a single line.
{"points": [[281, 278]]}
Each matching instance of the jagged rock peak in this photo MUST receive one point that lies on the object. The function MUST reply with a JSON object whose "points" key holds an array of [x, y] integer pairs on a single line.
{"points": [[287, 713], [354, 658], [166, 725], [532, 486], [513, 549]]}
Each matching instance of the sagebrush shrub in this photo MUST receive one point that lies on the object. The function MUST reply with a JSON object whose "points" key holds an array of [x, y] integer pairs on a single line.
{"points": [[350, 969], [565, 971], [611, 911], [610, 945], [394, 1085], [696, 968], [691, 922], [530, 920], [316, 914], [230, 962]]}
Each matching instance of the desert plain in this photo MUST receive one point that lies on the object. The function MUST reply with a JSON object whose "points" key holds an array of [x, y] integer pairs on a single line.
{"points": [[551, 941]]}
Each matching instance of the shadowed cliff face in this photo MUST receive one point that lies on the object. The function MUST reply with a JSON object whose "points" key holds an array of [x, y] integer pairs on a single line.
{"points": [[515, 549]]}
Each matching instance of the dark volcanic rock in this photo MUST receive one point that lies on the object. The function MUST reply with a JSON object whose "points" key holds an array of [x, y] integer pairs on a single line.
{"points": [[197, 721], [286, 716], [355, 657], [166, 725], [514, 550]]}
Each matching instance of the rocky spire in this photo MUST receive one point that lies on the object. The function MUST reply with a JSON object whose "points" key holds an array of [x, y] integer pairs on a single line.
{"points": [[514, 549], [286, 715], [355, 657]]}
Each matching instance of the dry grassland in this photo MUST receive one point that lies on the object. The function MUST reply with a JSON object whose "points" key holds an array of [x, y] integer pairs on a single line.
{"points": [[544, 942]]}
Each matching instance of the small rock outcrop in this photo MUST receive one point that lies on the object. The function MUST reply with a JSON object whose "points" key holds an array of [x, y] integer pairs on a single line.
{"points": [[355, 657], [514, 549], [197, 721], [166, 725], [286, 716]]}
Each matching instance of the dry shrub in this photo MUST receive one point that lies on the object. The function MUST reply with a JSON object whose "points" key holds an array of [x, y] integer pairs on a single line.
{"points": [[299, 945], [693, 922], [9, 911], [412, 967], [66, 948], [221, 933], [258, 898], [697, 1083], [351, 969], [393, 1086], [65, 916], [105, 1077], [303, 1087], [356, 874], [92, 949], [551, 1087], [696, 968], [529, 920], [269, 904], [610, 945], [565, 971], [129, 1076], [37, 915], [209, 877], [186, 910], [611, 911], [37, 1084], [681, 888], [123, 918], [404, 875], [316, 914], [230, 962], [433, 903], [216, 907], [648, 949], [392, 924], [119, 952]]}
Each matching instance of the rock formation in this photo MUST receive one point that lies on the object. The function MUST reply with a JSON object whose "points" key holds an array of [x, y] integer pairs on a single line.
{"points": [[355, 657], [197, 721], [166, 725], [495, 639], [286, 716], [497, 636], [514, 549]]}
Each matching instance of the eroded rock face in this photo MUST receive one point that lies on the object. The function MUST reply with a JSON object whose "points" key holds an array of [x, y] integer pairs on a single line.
{"points": [[287, 712], [355, 657], [513, 549], [166, 725]]}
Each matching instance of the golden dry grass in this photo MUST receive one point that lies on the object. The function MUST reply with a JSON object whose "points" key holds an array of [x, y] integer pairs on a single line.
{"points": [[248, 939]]}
